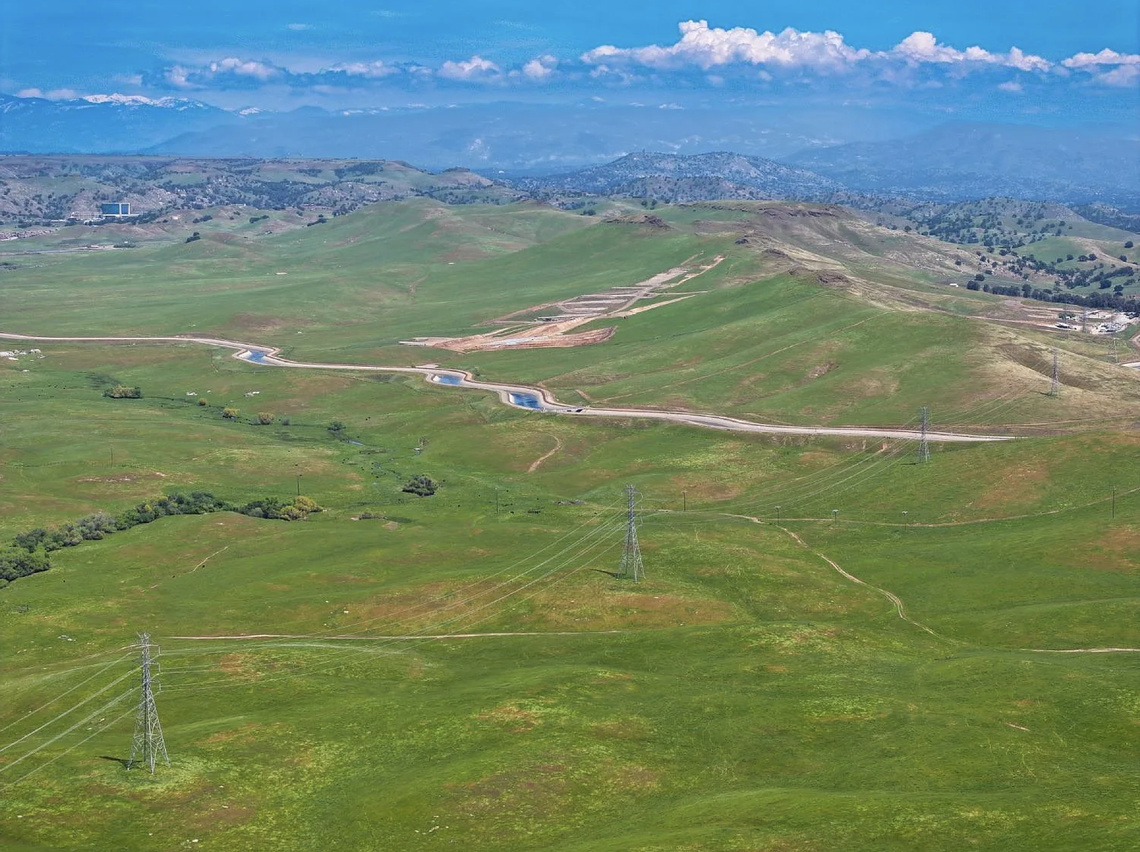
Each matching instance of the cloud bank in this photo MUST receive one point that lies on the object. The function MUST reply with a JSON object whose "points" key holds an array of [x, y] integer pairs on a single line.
{"points": [[734, 58]]}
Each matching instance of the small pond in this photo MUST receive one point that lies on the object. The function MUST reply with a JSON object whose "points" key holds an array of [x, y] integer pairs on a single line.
{"points": [[526, 400]]}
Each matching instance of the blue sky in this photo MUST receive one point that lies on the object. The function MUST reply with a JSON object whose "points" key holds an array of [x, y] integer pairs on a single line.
{"points": [[1044, 60]]}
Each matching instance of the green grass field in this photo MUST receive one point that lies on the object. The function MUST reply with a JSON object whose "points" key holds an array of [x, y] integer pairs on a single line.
{"points": [[745, 696]]}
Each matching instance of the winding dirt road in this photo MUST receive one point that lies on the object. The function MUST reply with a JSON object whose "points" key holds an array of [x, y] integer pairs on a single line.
{"points": [[531, 398]]}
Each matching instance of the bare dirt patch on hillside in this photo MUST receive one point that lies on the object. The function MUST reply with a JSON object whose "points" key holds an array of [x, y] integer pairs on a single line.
{"points": [[553, 324]]}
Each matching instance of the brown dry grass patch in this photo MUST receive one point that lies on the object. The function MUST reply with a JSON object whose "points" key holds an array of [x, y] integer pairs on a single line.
{"points": [[1024, 483], [1116, 550], [515, 719]]}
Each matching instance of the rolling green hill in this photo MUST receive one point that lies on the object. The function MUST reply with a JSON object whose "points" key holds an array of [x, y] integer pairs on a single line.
{"points": [[836, 646]]}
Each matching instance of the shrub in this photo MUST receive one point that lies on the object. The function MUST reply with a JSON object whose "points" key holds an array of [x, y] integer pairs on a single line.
{"points": [[16, 563], [306, 504], [230, 413], [123, 392], [203, 403], [420, 485], [264, 418]]}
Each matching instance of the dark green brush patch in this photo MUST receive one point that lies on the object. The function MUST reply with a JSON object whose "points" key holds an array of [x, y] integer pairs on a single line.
{"points": [[29, 551]]}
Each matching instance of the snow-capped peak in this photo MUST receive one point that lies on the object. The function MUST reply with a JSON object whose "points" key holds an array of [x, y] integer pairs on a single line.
{"points": [[139, 100]]}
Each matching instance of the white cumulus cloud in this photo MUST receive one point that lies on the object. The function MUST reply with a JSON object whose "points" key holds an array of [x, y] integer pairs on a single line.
{"points": [[1105, 57], [919, 47], [540, 68], [370, 70], [244, 68], [1108, 67], [474, 69], [711, 47], [708, 47]]}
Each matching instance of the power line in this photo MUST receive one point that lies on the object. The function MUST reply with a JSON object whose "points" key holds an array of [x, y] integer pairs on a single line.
{"points": [[111, 665], [66, 712], [923, 444], [431, 631], [147, 744], [631, 565], [59, 737]]}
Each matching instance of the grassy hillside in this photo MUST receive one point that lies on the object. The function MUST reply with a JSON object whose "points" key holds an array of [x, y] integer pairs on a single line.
{"points": [[746, 695], [810, 318]]}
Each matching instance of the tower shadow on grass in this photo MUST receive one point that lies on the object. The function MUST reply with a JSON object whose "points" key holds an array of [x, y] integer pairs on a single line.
{"points": [[617, 575], [125, 762]]}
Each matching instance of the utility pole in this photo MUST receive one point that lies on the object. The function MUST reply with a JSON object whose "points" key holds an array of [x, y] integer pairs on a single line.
{"points": [[1114, 502], [147, 745], [923, 444], [777, 516], [1115, 357], [1055, 386], [834, 516], [631, 565], [684, 501]]}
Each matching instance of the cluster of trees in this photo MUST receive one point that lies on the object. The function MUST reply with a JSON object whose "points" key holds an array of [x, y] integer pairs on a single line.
{"points": [[1101, 299], [29, 552], [420, 485], [123, 392], [1105, 214], [1073, 277]]}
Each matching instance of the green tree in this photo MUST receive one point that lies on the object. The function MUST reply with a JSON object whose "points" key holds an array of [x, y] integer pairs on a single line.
{"points": [[420, 485]]}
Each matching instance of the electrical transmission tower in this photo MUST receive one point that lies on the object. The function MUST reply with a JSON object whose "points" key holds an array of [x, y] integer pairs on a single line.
{"points": [[147, 745], [923, 444], [631, 564], [1055, 386]]}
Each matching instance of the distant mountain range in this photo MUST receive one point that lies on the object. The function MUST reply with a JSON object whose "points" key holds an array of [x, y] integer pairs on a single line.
{"points": [[35, 190], [960, 160], [782, 153], [102, 124], [679, 178]]}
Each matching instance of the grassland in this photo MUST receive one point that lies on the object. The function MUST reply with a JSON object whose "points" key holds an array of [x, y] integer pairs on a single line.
{"points": [[746, 696]]}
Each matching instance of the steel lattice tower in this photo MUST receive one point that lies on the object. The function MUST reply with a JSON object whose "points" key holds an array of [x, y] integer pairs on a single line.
{"points": [[923, 444], [147, 746], [1055, 387], [631, 564]]}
